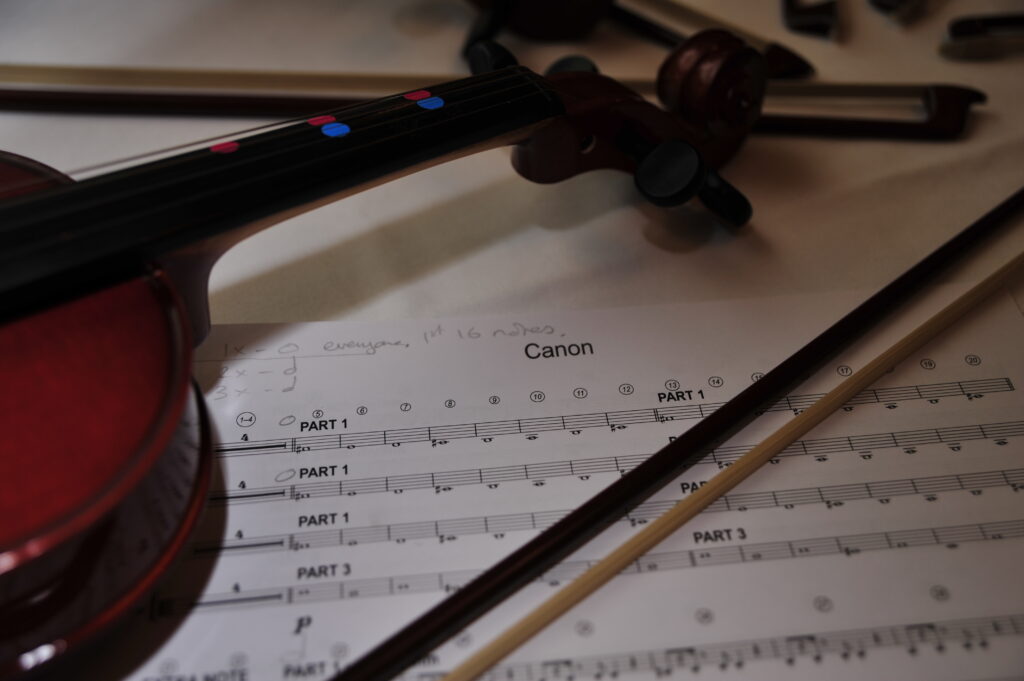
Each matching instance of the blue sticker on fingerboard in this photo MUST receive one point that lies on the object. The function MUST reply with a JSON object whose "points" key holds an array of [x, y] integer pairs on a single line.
{"points": [[431, 103], [335, 129]]}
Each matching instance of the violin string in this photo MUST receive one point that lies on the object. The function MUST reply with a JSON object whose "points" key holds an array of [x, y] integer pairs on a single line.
{"points": [[374, 106], [234, 135], [351, 147], [238, 134], [352, 113], [138, 159], [132, 161], [206, 141]]}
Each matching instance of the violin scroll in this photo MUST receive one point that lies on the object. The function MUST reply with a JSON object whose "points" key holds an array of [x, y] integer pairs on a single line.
{"points": [[716, 85]]}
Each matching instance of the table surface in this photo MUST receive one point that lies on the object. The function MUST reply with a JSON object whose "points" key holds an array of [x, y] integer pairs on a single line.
{"points": [[472, 237]]}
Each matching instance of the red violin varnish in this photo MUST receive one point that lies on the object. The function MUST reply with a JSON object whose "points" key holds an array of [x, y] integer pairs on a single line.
{"points": [[107, 463], [105, 451]]}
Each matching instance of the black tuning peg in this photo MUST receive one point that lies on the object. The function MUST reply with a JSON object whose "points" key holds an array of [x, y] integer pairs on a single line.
{"points": [[903, 11], [485, 56], [672, 173], [488, 23], [820, 19], [984, 37], [573, 62]]}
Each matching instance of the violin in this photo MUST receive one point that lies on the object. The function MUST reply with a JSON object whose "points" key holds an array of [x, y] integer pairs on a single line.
{"points": [[104, 290]]}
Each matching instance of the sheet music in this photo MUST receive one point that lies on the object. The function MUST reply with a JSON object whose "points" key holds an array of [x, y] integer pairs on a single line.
{"points": [[364, 471]]}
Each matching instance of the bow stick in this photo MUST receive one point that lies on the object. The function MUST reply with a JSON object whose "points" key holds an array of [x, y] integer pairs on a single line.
{"points": [[525, 564], [688, 508], [133, 90]]}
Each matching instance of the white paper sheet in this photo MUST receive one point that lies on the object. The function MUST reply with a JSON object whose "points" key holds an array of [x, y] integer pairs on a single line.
{"points": [[365, 470]]}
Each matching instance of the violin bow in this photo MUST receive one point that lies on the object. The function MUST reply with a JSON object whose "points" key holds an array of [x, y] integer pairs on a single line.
{"points": [[531, 560], [782, 61], [129, 90], [686, 509], [369, 84]]}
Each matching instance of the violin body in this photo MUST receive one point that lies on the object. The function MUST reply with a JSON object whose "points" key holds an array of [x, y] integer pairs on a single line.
{"points": [[105, 465], [106, 450], [105, 462], [106, 453]]}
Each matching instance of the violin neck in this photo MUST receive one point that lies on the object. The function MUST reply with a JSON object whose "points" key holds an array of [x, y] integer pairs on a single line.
{"points": [[71, 238]]}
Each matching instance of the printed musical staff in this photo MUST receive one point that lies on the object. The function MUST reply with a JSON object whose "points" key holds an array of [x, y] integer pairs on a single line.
{"points": [[451, 453], [972, 390], [972, 634], [832, 496], [848, 545], [909, 440]]}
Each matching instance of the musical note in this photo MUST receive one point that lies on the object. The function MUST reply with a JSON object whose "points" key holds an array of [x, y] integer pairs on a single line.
{"points": [[440, 469]]}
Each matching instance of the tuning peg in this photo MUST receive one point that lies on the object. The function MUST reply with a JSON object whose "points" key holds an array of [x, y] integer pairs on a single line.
{"points": [[820, 19], [487, 24], [484, 56], [903, 11], [574, 62], [673, 173], [984, 37], [724, 200]]}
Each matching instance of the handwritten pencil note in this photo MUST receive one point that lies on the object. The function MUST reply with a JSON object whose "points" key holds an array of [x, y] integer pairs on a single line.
{"points": [[365, 471]]}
